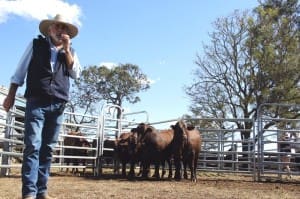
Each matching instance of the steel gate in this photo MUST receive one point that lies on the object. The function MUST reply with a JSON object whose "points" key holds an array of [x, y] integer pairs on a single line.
{"points": [[270, 162]]}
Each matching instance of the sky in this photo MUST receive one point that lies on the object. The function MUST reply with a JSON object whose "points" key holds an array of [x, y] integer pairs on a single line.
{"points": [[162, 37]]}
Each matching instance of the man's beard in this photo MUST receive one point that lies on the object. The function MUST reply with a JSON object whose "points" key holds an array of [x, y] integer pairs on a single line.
{"points": [[57, 38]]}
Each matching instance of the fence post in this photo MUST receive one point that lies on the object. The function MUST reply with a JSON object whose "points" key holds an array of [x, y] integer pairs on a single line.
{"points": [[5, 160]]}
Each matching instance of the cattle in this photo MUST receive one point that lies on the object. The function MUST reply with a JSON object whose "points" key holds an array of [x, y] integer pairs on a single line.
{"points": [[116, 151], [154, 147], [69, 143], [126, 151], [186, 149], [108, 155]]}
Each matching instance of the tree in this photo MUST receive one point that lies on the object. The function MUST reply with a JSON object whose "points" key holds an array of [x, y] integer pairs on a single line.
{"points": [[249, 61], [223, 87], [115, 85]]}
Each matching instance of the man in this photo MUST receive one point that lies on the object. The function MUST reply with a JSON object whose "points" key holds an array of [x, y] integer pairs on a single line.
{"points": [[49, 61], [285, 147]]}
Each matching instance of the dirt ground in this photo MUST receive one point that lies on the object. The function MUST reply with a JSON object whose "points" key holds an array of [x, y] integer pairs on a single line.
{"points": [[209, 185]]}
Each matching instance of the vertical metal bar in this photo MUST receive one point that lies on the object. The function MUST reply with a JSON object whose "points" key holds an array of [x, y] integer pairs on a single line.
{"points": [[259, 141]]}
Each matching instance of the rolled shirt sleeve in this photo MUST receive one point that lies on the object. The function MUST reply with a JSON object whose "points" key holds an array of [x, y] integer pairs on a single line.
{"points": [[76, 69], [22, 67]]}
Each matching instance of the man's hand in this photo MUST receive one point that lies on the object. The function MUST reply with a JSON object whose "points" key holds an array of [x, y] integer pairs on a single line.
{"points": [[8, 103], [66, 42]]}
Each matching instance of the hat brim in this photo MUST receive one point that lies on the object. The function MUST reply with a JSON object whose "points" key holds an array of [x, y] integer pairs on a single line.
{"points": [[44, 25]]}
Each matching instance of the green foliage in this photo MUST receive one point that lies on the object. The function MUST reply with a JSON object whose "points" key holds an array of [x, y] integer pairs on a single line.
{"points": [[118, 84], [275, 39], [101, 84]]}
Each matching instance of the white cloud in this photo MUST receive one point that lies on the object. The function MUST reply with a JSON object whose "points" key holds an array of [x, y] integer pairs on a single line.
{"points": [[39, 10]]}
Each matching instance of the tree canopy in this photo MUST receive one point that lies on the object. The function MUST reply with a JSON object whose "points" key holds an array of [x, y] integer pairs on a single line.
{"points": [[107, 85]]}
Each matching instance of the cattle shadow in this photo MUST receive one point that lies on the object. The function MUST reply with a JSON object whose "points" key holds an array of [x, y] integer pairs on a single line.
{"points": [[119, 177], [111, 176]]}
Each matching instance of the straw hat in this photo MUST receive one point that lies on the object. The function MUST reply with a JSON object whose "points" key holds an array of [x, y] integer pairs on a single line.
{"points": [[44, 25]]}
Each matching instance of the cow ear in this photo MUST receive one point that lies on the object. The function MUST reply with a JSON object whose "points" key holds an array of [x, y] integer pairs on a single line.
{"points": [[190, 127], [148, 130], [172, 126]]}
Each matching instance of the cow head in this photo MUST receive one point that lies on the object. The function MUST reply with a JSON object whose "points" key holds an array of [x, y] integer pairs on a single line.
{"points": [[142, 131], [180, 137], [126, 143]]}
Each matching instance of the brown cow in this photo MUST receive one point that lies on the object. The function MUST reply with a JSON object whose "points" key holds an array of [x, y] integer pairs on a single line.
{"points": [[154, 146], [187, 146], [126, 151], [108, 156], [77, 142]]}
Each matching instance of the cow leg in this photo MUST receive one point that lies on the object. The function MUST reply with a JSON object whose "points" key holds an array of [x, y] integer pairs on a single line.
{"points": [[192, 169], [67, 163], [75, 163], [185, 175], [83, 170], [131, 173], [83, 163], [141, 170], [163, 167], [116, 165], [177, 163], [145, 169], [169, 161], [156, 172], [195, 166], [123, 169]]}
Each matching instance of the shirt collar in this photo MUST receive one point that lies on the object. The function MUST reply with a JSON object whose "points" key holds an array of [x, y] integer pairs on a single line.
{"points": [[52, 46]]}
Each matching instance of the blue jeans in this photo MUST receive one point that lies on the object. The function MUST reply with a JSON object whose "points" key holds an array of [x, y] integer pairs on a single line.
{"points": [[43, 119]]}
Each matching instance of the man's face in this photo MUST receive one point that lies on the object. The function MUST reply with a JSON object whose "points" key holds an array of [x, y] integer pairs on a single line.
{"points": [[57, 31]]}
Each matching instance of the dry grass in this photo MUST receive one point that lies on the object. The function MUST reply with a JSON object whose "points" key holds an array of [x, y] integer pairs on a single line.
{"points": [[209, 185]]}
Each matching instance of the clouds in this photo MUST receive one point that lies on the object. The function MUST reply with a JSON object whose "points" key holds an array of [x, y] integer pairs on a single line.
{"points": [[38, 10]]}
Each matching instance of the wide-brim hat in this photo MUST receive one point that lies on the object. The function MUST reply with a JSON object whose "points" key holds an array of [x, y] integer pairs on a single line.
{"points": [[44, 25]]}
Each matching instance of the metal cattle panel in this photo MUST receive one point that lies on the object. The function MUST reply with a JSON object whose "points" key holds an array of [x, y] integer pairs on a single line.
{"points": [[278, 145], [12, 131], [76, 145], [224, 149], [11, 135]]}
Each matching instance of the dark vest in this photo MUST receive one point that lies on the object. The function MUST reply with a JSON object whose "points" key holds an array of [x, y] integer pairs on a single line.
{"points": [[41, 82]]}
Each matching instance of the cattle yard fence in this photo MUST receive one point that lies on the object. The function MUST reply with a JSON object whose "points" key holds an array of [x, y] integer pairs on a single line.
{"points": [[225, 149]]}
